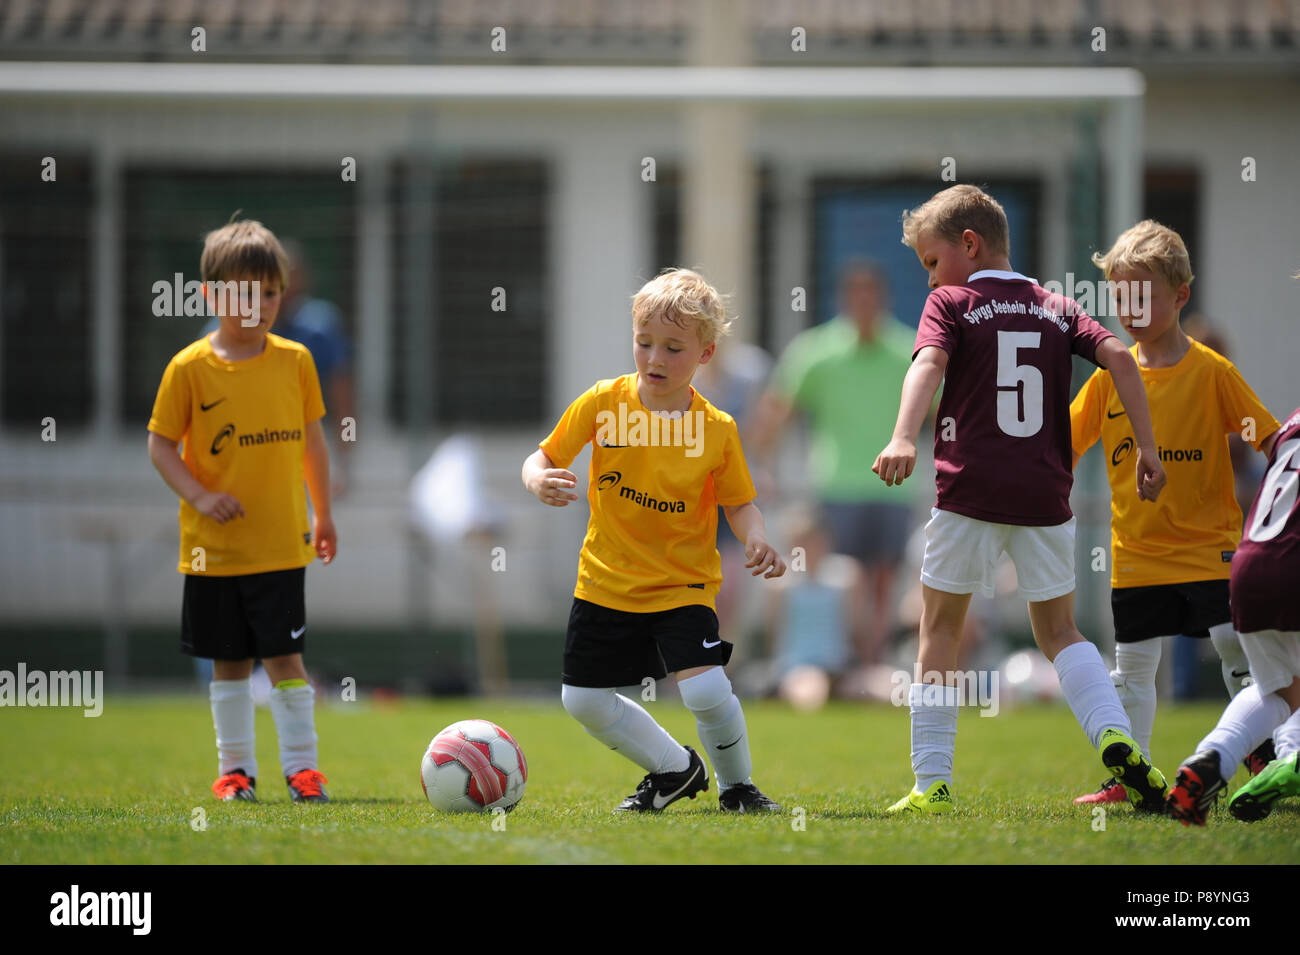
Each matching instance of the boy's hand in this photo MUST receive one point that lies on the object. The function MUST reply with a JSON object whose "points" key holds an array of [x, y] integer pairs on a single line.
{"points": [[324, 538], [1151, 476], [763, 556], [219, 507], [896, 462], [548, 486]]}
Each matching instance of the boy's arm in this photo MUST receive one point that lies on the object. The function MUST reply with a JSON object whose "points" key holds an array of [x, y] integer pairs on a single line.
{"points": [[546, 482], [316, 464], [167, 460], [1115, 358], [747, 524], [897, 461]]}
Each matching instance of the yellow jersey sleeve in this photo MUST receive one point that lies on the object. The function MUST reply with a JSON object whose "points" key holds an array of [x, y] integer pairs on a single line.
{"points": [[575, 428], [1086, 410], [1241, 406], [170, 417], [731, 481], [313, 404]]}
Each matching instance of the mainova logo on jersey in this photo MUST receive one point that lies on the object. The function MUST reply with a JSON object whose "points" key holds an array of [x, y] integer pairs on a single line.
{"points": [[1123, 449], [639, 429], [251, 439], [614, 478]]}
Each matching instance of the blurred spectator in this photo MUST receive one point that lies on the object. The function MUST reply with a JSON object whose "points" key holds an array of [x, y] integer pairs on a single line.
{"points": [[846, 377], [733, 381], [318, 324]]}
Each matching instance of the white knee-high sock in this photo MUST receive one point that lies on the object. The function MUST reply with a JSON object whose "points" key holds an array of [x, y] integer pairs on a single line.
{"points": [[292, 707], [1134, 677], [1232, 658], [625, 727], [1089, 691], [232, 716], [934, 732], [720, 722], [1286, 738], [1251, 717]]}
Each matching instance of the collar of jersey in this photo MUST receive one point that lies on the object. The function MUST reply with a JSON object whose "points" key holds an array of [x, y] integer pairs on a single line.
{"points": [[999, 274], [695, 395]]}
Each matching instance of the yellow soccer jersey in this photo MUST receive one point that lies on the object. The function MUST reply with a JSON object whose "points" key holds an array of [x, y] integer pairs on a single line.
{"points": [[1190, 532], [654, 489], [243, 425]]}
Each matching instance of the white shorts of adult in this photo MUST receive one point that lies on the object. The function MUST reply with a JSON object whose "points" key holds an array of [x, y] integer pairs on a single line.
{"points": [[1274, 657], [962, 554]]}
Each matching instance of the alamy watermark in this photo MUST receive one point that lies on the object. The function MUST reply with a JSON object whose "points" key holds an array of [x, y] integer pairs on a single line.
{"points": [[964, 687], [83, 688], [178, 298], [641, 429]]}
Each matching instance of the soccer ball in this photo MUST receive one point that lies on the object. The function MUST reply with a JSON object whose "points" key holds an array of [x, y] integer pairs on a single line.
{"points": [[473, 766]]}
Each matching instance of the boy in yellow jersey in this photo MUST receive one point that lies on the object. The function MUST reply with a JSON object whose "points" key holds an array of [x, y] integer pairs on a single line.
{"points": [[1169, 563], [246, 406], [662, 461]]}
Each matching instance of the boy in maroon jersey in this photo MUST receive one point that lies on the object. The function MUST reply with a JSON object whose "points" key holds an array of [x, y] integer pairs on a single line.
{"points": [[1265, 613], [1002, 346]]}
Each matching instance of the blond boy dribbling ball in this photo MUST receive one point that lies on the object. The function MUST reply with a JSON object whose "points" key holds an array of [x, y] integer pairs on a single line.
{"points": [[663, 460]]}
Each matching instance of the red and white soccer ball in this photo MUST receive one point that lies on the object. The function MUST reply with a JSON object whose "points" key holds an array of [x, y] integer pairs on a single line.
{"points": [[473, 766]]}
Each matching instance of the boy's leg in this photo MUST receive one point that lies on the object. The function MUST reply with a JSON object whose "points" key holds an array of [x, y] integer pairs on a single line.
{"points": [[932, 702], [720, 721], [1232, 658], [1134, 678], [293, 709], [625, 727], [232, 717]]}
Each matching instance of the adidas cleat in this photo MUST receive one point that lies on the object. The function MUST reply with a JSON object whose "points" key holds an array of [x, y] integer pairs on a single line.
{"points": [[745, 797], [1196, 788], [235, 786], [1260, 758], [937, 800], [1254, 800], [659, 790], [1112, 790], [305, 786], [1144, 785]]}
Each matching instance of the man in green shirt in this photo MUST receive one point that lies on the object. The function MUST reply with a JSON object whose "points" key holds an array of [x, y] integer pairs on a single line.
{"points": [[845, 376]]}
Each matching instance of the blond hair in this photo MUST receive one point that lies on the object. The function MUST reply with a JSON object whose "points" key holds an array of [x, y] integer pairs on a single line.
{"points": [[243, 249], [1151, 246], [687, 300], [954, 210]]}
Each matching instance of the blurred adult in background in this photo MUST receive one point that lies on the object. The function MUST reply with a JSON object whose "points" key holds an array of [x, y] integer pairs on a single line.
{"points": [[845, 376], [733, 382], [318, 324]]}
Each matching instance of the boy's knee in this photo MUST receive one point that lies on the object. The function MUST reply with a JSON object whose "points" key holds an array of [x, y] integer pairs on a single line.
{"points": [[706, 691], [590, 706]]}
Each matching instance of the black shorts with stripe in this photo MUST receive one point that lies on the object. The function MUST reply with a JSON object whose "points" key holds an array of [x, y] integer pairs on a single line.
{"points": [[244, 617], [607, 648], [1164, 610]]}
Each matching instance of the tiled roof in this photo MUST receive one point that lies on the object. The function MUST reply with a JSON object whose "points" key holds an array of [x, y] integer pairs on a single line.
{"points": [[1250, 32]]}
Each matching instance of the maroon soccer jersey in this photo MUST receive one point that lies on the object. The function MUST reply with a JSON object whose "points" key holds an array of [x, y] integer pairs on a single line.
{"points": [[1002, 440], [1266, 566]]}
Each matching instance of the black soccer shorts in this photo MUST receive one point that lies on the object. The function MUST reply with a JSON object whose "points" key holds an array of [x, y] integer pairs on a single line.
{"points": [[249, 616], [1164, 610], [607, 648]]}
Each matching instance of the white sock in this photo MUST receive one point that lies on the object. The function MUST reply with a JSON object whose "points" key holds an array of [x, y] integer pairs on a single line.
{"points": [[1249, 719], [232, 715], [295, 725], [934, 732], [720, 722], [625, 727], [1286, 738], [1089, 691], [1134, 677], [1232, 658]]}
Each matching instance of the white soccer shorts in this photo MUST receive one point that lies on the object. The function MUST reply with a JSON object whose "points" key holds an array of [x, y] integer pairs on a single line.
{"points": [[1274, 657], [962, 554]]}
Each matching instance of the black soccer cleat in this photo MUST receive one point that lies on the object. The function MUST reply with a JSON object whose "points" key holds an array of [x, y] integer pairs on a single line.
{"points": [[1260, 757], [659, 790], [306, 786], [1198, 786], [745, 797], [235, 786]]}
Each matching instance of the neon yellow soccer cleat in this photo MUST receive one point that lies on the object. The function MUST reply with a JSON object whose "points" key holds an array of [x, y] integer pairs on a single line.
{"points": [[936, 800], [1145, 785], [1254, 800]]}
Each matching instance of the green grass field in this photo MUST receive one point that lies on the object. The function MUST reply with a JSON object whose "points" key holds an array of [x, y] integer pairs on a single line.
{"points": [[123, 789]]}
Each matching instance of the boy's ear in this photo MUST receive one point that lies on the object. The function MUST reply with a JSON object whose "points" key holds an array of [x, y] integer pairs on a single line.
{"points": [[1182, 294], [971, 243], [709, 349]]}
